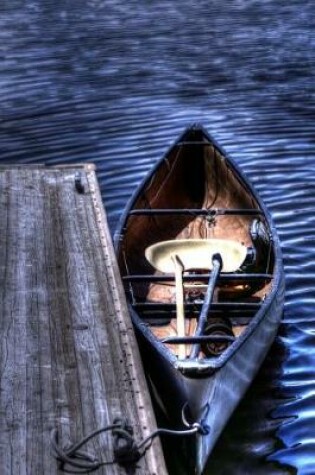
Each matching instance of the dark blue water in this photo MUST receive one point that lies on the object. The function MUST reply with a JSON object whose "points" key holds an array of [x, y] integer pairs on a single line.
{"points": [[115, 82]]}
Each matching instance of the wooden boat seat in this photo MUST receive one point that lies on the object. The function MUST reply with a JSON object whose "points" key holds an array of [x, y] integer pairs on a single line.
{"points": [[196, 254]]}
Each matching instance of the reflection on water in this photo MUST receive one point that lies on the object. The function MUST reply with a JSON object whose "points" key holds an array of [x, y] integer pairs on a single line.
{"points": [[115, 84]]}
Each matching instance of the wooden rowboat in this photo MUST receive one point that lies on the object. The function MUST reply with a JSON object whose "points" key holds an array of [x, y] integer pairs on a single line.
{"points": [[201, 264]]}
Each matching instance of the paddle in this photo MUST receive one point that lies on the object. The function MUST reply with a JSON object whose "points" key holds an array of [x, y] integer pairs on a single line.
{"points": [[180, 316], [216, 269], [184, 254]]}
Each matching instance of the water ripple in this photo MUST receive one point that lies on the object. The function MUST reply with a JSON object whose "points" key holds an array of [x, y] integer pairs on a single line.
{"points": [[114, 84]]}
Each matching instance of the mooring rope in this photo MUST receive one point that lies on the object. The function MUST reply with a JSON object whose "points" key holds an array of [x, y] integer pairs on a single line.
{"points": [[126, 450]]}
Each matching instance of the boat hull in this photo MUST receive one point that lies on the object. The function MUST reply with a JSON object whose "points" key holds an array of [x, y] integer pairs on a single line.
{"points": [[211, 399], [210, 388], [233, 379]]}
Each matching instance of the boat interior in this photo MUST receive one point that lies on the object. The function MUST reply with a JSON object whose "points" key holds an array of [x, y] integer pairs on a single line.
{"points": [[196, 253]]}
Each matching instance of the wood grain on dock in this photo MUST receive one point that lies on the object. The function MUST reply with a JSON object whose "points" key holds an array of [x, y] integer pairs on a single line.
{"points": [[68, 355]]}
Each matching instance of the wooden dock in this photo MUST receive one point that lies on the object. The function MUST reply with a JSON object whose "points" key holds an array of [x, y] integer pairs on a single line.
{"points": [[68, 355]]}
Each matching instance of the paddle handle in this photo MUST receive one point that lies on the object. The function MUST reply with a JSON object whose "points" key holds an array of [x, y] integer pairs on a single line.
{"points": [[216, 269], [180, 315]]}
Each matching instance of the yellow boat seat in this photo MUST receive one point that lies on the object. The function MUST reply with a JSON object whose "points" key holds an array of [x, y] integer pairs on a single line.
{"points": [[196, 254]]}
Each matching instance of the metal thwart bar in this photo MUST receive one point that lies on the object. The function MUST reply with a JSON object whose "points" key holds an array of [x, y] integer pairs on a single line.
{"points": [[173, 340], [195, 211], [193, 277], [191, 306]]}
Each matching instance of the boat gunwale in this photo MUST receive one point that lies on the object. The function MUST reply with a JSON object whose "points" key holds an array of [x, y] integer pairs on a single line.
{"points": [[209, 365]]}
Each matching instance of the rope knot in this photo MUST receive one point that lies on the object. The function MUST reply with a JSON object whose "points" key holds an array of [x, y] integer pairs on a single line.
{"points": [[124, 446], [203, 429]]}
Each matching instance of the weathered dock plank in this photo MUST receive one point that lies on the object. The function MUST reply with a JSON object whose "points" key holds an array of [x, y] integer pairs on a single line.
{"points": [[68, 356]]}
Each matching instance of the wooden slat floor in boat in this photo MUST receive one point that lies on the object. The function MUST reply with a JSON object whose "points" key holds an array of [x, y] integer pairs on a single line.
{"points": [[68, 356]]}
